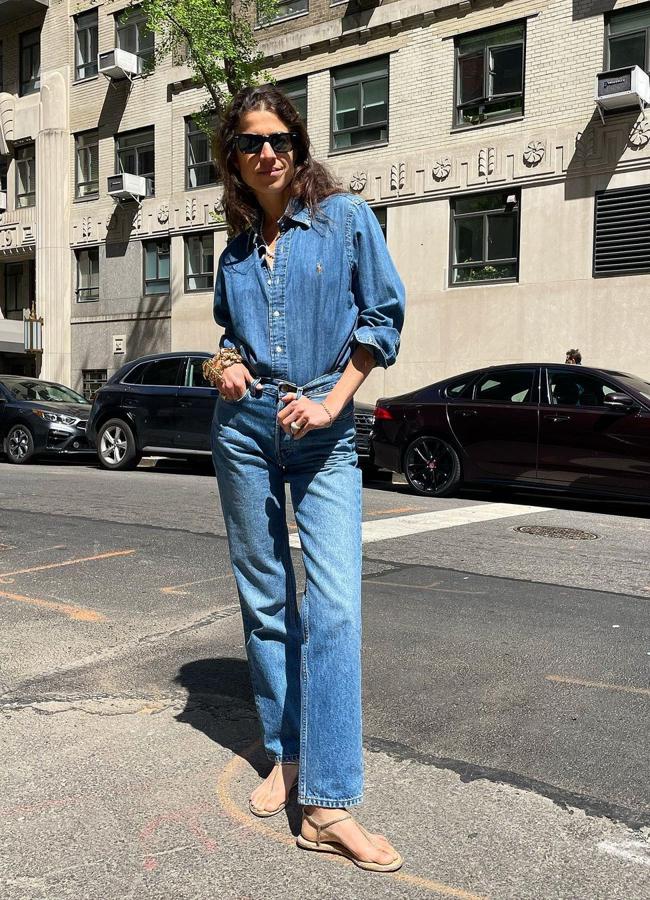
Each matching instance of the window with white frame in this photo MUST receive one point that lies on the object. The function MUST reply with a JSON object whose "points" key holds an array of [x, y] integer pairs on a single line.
{"points": [[86, 44], [485, 238], [135, 154], [30, 61], [199, 262], [296, 90], [156, 267], [25, 165], [200, 167], [628, 38], [360, 104], [87, 164], [490, 75], [133, 35], [87, 274], [92, 380]]}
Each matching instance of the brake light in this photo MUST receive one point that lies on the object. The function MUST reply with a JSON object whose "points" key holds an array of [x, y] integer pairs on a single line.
{"points": [[382, 413]]}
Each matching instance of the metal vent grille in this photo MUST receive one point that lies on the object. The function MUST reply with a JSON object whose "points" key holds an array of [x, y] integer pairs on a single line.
{"points": [[622, 232]]}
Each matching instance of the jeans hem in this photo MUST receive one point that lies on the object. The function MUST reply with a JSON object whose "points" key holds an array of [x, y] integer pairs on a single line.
{"points": [[283, 757], [330, 804]]}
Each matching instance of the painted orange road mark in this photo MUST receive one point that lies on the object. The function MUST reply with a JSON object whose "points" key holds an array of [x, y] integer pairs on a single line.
{"points": [[562, 679], [177, 588], [393, 512], [244, 818], [422, 587], [78, 613], [67, 562]]}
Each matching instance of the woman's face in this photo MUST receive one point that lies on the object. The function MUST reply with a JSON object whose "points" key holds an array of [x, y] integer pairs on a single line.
{"points": [[267, 173]]}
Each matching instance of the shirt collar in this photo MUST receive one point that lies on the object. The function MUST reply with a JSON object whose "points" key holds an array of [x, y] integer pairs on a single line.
{"points": [[296, 211]]}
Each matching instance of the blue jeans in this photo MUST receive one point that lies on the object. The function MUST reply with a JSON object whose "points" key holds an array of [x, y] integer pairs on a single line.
{"points": [[305, 663]]}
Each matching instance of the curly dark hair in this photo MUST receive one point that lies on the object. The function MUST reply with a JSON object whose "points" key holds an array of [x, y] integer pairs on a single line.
{"points": [[312, 181]]}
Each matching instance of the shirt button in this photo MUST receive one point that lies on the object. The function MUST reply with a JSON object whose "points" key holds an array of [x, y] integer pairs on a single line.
{"points": [[278, 349], [276, 313], [269, 281]]}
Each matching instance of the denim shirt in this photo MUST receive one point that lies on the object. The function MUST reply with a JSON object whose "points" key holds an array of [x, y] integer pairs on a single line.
{"points": [[332, 287]]}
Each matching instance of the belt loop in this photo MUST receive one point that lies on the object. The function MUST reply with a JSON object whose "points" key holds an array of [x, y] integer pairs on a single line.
{"points": [[298, 393]]}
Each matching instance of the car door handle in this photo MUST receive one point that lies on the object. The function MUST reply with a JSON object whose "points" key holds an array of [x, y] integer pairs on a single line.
{"points": [[465, 413], [185, 403], [557, 418]]}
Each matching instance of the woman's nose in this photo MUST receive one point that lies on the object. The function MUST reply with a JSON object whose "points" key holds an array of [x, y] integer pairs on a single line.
{"points": [[267, 151]]}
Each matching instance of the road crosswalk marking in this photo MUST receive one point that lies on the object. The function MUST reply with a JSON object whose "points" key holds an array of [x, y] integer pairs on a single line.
{"points": [[402, 526]]}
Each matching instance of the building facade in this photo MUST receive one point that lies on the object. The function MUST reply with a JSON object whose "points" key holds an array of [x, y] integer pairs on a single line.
{"points": [[518, 217]]}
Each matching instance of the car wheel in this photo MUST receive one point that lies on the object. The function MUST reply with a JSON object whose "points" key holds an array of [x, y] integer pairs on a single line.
{"points": [[372, 472], [116, 446], [19, 444], [432, 467]]}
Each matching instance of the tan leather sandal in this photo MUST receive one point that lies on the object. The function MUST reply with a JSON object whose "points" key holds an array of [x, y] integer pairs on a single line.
{"points": [[334, 846], [267, 813]]}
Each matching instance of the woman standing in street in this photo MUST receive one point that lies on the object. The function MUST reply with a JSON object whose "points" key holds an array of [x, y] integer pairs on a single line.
{"points": [[310, 302]]}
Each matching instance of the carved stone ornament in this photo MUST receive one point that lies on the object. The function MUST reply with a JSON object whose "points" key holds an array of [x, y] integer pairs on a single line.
{"points": [[190, 210], [487, 158], [397, 176], [86, 228], [441, 169], [534, 153], [640, 134], [137, 221], [584, 145], [163, 214], [358, 182]]}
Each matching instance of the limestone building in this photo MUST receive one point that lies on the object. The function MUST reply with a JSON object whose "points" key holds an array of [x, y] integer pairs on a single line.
{"points": [[518, 215]]}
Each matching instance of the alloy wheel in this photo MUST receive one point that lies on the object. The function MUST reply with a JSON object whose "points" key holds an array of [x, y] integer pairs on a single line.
{"points": [[19, 443], [113, 445], [431, 466]]}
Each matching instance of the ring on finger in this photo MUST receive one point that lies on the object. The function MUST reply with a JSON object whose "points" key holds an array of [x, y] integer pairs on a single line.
{"points": [[297, 426]]}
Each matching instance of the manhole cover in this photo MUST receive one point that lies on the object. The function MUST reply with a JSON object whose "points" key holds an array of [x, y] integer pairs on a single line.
{"points": [[567, 534]]}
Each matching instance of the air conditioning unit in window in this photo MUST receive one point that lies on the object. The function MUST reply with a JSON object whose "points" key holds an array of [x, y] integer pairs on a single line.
{"points": [[3, 201], [117, 64], [622, 88], [127, 187]]}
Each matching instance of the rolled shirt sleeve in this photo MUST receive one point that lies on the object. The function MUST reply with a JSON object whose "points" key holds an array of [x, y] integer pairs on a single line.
{"points": [[377, 288]]}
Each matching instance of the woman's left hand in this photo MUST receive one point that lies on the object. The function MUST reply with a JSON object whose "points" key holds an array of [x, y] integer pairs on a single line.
{"points": [[304, 412]]}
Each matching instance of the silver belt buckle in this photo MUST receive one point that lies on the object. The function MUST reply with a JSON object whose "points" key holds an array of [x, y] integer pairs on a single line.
{"points": [[287, 387]]}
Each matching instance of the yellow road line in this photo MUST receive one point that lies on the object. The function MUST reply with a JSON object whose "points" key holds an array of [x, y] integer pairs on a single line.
{"points": [[244, 818], [176, 588], [78, 613], [421, 587], [68, 562], [399, 509], [562, 679]]}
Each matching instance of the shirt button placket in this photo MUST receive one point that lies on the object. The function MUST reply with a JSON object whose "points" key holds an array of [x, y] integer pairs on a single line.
{"points": [[278, 300]]}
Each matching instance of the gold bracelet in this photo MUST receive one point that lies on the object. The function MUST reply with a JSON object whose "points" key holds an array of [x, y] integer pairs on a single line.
{"points": [[213, 368], [328, 413]]}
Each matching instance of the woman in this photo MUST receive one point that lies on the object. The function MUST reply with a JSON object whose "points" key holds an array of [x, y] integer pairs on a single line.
{"points": [[310, 301]]}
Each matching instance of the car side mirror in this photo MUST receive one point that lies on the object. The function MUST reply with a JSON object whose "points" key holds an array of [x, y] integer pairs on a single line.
{"points": [[622, 402]]}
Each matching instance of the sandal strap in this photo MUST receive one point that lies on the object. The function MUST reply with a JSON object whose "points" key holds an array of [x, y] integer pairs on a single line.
{"points": [[325, 825]]}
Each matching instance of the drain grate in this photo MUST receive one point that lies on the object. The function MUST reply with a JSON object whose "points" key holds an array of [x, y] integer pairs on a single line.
{"points": [[567, 534]]}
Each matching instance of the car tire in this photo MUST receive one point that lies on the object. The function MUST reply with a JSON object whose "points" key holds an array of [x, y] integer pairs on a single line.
{"points": [[19, 445], [116, 447], [373, 472], [432, 466]]}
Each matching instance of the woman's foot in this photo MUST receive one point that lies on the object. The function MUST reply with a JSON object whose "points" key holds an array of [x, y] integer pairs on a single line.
{"points": [[272, 794], [335, 831]]}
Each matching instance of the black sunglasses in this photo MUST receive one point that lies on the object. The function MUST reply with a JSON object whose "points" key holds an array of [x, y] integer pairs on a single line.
{"points": [[280, 141]]}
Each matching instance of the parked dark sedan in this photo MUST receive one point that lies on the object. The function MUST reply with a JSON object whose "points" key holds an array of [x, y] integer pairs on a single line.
{"points": [[160, 405], [41, 417], [554, 427]]}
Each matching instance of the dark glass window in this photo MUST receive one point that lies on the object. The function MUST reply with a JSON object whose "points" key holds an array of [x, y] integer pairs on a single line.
{"points": [[490, 75], [92, 380], [87, 274], [628, 38], [199, 262], [286, 8], [3, 173], [30, 61], [1, 68], [87, 164], [485, 238], [360, 104], [25, 158], [506, 386], [157, 371], [136, 155], [156, 267], [16, 297], [86, 44], [194, 377], [380, 213], [200, 166], [577, 388], [133, 35], [296, 90]]}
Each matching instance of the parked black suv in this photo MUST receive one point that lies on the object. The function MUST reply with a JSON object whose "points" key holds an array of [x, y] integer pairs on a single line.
{"points": [[161, 405]]}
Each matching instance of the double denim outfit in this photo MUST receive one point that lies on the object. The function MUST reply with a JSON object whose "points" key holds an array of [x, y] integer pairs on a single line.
{"points": [[333, 286]]}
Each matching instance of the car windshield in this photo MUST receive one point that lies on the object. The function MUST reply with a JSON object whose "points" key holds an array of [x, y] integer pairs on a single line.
{"points": [[33, 389], [637, 384]]}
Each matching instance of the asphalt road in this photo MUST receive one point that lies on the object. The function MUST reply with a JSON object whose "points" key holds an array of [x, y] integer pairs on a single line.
{"points": [[505, 680]]}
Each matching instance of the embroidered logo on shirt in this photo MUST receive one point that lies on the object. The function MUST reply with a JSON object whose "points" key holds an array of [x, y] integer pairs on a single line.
{"points": [[319, 268]]}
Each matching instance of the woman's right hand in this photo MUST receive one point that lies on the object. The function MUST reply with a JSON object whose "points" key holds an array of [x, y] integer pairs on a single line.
{"points": [[235, 381]]}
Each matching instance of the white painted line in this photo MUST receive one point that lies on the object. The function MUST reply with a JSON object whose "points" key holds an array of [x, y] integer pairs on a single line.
{"points": [[401, 526], [634, 851]]}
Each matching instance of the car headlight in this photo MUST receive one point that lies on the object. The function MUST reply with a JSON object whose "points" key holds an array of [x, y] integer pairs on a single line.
{"points": [[55, 417]]}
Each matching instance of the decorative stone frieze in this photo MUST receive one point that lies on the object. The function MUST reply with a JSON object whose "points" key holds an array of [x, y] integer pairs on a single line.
{"points": [[441, 169], [397, 176], [534, 153], [487, 157], [358, 182], [640, 134], [163, 213], [7, 116]]}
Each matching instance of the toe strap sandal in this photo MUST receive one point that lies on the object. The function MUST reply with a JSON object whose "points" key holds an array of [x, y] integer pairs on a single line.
{"points": [[262, 813], [334, 846]]}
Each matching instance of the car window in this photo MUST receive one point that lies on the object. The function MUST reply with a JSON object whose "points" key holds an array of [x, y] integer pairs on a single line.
{"points": [[194, 377], [157, 372], [46, 391], [506, 386], [457, 388], [577, 388]]}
